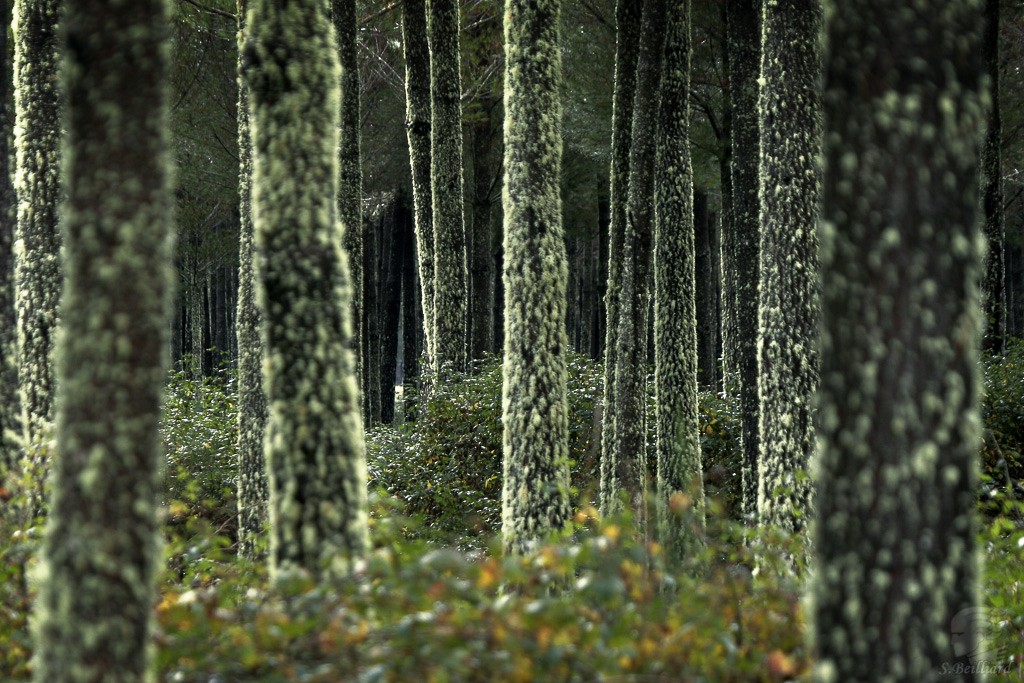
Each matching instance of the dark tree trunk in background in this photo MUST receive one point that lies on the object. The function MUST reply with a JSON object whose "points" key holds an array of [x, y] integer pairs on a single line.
{"points": [[708, 269], [391, 304], [412, 325], [10, 407], [895, 588], [726, 229], [373, 231], [627, 47], [1015, 281], [993, 292], [101, 551], [481, 270], [601, 322], [744, 67]]}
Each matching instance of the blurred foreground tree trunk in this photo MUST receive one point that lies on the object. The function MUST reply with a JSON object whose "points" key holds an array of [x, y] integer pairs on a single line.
{"points": [[895, 587], [100, 550]]}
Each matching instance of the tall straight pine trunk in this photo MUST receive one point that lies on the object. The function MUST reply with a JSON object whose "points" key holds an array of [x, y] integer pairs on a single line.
{"points": [[535, 494], [315, 452], [790, 116], [896, 581], [100, 552]]}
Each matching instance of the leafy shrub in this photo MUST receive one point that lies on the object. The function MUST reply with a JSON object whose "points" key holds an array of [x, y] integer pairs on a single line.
{"points": [[199, 430], [1003, 416], [597, 607], [447, 465]]}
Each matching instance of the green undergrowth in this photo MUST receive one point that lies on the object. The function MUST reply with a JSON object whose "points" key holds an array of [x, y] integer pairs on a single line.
{"points": [[436, 601]]}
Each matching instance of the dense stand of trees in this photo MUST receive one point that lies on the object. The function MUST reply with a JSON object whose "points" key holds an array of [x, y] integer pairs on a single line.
{"points": [[341, 237]]}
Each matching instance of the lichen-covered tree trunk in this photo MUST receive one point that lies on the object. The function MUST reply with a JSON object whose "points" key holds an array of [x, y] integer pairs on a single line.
{"points": [[535, 494], [895, 588], [315, 451], [744, 64], [417, 124], [373, 231], [10, 407], [680, 480], [446, 187], [252, 402], [634, 302], [992, 191], [790, 118], [727, 229], [627, 21], [37, 271], [350, 174], [100, 551]]}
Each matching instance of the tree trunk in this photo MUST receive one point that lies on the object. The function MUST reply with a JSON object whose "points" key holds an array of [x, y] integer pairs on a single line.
{"points": [[535, 494], [252, 402], [371, 245], [627, 48], [412, 327], [744, 65], [680, 479], [350, 174], [391, 309], [315, 445], [37, 271], [992, 191], [10, 407], [895, 587], [482, 323], [634, 302], [790, 115], [446, 186], [707, 267], [101, 549]]}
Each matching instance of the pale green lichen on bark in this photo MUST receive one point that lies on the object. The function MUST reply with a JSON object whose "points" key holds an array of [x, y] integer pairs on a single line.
{"points": [[744, 64], [791, 138], [252, 402], [37, 182], [100, 553], [350, 175], [314, 445], [631, 345], [446, 187], [10, 406], [417, 123], [680, 478], [535, 494], [898, 426], [627, 22]]}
